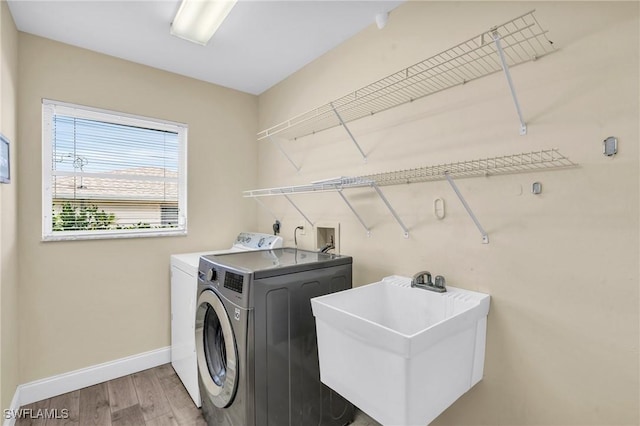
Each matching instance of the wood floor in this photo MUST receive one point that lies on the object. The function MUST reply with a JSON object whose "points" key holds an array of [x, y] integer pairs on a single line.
{"points": [[154, 397], [151, 397]]}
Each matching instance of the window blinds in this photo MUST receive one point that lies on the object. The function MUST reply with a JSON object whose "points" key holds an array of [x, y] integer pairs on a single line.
{"points": [[108, 174]]}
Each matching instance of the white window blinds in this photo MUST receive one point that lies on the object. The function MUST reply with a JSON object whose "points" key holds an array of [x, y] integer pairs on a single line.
{"points": [[108, 174]]}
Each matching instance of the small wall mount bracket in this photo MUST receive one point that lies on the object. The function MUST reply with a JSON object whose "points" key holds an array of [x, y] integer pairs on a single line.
{"points": [[536, 188], [610, 146]]}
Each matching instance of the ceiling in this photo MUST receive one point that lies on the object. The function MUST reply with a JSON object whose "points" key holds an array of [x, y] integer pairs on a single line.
{"points": [[259, 44]]}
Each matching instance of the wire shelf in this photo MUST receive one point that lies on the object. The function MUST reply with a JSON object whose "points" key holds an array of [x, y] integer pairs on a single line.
{"points": [[509, 164], [522, 40], [516, 163], [336, 184]]}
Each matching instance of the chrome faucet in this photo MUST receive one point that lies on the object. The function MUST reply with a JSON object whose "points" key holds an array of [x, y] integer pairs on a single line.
{"points": [[418, 281]]}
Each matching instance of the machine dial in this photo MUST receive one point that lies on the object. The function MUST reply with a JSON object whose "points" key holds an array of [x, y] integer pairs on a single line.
{"points": [[212, 275]]}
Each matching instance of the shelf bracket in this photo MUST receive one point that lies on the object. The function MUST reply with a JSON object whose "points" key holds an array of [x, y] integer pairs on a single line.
{"points": [[507, 73], [485, 237], [355, 213], [275, 142], [299, 211], [393, 212], [264, 206], [344, 125]]}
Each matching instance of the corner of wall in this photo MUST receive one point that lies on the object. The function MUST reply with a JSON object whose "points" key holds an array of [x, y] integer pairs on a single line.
{"points": [[8, 213]]}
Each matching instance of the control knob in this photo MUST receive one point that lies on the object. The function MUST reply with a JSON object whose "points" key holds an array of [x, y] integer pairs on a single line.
{"points": [[212, 275]]}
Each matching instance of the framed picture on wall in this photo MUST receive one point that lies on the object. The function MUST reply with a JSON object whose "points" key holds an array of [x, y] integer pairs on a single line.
{"points": [[5, 177]]}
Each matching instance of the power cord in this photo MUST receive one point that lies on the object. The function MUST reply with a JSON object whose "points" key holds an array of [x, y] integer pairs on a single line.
{"points": [[295, 234]]}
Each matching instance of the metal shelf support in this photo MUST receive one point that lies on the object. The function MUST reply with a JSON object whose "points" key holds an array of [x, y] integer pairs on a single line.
{"points": [[275, 142], [355, 213], [344, 125], [393, 212], [263, 205], [485, 237], [299, 211], [507, 73]]}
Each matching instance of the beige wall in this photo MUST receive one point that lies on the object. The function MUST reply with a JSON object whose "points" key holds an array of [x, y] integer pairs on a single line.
{"points": [[561, 267], [8, 218], [88, 302]]}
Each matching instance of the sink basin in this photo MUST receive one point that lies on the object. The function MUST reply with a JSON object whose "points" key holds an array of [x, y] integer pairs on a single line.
{"points": [[400, 354]]}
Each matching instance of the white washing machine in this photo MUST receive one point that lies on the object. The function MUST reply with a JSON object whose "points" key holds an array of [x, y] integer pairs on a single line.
{"points": [[184, 282]]}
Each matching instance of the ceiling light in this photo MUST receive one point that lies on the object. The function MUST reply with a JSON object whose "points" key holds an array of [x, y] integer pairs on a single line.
{"points": [[198, 20]]}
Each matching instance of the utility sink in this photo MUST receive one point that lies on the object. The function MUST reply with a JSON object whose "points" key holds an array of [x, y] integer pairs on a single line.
{"points": [[401, 354]]}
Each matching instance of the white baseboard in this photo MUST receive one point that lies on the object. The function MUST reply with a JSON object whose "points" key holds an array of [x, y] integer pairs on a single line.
{"points": [[15, 404], [67, 382]]}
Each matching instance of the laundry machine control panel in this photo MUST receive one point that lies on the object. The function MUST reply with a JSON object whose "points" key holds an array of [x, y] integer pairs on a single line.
{"points": [[233, 281], [257, 241], [233, 285]]}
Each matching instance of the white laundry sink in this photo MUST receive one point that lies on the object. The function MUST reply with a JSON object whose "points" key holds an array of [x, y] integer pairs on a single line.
{"points": [[401, 354]]}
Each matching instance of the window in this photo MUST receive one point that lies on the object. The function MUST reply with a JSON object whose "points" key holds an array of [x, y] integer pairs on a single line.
{"points": [[110, 175], [169, 214]]}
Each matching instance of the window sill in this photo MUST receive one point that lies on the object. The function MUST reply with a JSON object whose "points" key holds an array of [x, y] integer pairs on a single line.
{"points": [[92, 235]]}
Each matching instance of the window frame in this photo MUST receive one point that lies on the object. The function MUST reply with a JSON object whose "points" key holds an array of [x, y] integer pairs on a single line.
{"points": [[51, 108]]}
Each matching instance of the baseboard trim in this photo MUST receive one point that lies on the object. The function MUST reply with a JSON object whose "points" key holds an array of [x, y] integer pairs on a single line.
{"points": [[89, 376], [15, 404]]}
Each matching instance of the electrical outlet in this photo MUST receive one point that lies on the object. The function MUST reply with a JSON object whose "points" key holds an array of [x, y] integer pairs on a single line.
{"points": [[304, 225]]}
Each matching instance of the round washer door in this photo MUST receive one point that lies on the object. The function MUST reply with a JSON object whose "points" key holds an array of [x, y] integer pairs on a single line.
{"points": [[216, 350]]}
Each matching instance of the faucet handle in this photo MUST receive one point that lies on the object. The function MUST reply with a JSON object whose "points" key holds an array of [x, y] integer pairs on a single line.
{"points": [[440, 282], [418, 279]]}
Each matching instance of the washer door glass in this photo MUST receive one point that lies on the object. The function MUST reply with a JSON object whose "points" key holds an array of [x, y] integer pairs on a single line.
{"points": [[216, 350]]}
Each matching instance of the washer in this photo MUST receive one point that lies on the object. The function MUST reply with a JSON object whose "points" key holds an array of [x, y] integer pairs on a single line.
{"points": [[184, 272], [256, 338]]}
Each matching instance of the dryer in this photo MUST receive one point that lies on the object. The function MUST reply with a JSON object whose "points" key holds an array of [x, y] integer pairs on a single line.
{"points": [[184, 271], [256, 339]]}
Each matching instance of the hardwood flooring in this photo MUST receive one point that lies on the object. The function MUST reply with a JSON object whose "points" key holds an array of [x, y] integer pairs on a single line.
{"points": [[154, 397]]}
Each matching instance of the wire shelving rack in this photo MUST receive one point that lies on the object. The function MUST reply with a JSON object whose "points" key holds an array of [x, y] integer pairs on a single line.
{"points": [[541, 160], [517, 41]]}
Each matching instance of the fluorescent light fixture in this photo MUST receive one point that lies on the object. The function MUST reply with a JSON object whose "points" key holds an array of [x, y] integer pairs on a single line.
{"points": [[198, 20]]}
